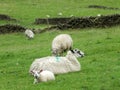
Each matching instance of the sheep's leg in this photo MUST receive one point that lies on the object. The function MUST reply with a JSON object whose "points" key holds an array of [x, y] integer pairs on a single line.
{"points": [[35, 81], [71, 48]]}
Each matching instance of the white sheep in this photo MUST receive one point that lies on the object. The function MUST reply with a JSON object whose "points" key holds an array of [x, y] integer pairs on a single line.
{"points": [[29, 34], [58, 65], [42, 76], [61, 43]]}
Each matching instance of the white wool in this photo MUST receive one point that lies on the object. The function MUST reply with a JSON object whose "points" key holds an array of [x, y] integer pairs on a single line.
{"points": [[29, 33], [57, 65], [61, 43], [43, 76], [46, 76]]}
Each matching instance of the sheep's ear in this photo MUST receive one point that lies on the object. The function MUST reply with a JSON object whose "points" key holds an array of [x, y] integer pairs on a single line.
{"points": [[40, 71], [32, 72], [72, 51]]}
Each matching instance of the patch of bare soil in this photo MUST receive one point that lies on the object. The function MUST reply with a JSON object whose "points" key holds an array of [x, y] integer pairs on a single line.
{"points": [[103, 7], [70, 23], [11, 28], [88, 22]]}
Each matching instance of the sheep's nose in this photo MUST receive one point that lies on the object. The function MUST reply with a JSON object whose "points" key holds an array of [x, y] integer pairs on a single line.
{"points": [[82, 55], [35, 76]]}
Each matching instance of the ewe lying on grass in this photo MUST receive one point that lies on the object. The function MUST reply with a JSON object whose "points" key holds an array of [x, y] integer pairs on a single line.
{"points": [[29, 34], [61, 43], [42, 76], [58, 65]]}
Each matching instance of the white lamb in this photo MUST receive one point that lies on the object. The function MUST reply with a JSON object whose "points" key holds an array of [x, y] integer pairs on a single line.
{"points": [[58, 65], [61, 43], [42, 76], [29, 34]]}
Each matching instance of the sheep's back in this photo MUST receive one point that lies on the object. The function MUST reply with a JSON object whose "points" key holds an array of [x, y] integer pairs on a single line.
{"points": [[29, 33], [54, 64], [62, 41]]}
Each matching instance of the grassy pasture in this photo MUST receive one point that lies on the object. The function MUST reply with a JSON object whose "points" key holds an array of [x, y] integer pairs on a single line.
{"points": [[26, 11], [100, 66]]}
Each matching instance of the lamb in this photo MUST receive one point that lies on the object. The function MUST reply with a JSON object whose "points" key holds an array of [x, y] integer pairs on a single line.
{"points": [[42, 76], [61, 43], [29, 34], [58, 65]]}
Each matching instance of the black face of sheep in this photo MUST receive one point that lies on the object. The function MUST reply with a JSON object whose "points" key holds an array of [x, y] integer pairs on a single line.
{"points": [[77, 53], [36, 73]]}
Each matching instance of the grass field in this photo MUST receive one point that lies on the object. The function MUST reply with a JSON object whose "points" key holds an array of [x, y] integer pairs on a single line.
{"points": [[100, 66], [26, 11]]}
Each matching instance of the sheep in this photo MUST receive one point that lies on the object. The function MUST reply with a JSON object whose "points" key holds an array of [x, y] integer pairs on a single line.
{"points": [[29, 34], [61, 43], [42, 76], [58, 65]]}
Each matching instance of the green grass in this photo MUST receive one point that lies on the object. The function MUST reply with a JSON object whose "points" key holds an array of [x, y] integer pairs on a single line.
{"points": [[100, 66], [27, 10]]}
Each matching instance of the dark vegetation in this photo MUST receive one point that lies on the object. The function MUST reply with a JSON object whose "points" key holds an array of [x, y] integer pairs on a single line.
{"points": [[6, 17], [103, 7], [83, 22], [9, 28], [67, 23]]}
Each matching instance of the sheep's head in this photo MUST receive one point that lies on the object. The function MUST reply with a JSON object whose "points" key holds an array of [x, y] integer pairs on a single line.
{"points": [[55, 52], [77, 53], [36, 74]]}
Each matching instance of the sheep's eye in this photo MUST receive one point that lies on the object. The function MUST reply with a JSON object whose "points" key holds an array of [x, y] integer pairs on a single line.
{"points": [[75, 49], [79, 52], [72, 51]]}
